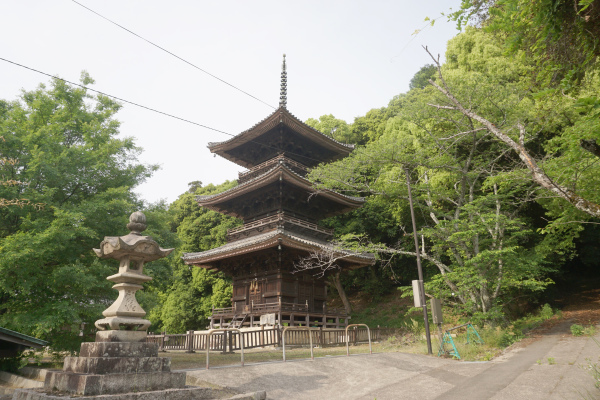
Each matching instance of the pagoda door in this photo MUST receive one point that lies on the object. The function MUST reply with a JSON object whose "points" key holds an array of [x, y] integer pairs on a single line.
{"points": [[256, 292], [305, 295]]}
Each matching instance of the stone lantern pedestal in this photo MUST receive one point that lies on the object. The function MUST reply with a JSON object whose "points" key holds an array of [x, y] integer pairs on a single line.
{"points": [[120, 365]]}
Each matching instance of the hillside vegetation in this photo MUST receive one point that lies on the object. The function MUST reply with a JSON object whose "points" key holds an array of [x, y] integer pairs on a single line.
{"points": [[499, 143]]}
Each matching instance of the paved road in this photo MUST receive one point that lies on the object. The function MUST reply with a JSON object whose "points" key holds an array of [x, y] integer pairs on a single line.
{"points": [[516, 375]]}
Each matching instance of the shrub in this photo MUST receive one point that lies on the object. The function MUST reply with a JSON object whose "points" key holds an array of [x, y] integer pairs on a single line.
{"points": [[546, 312], [577, 330], [11, 364]]}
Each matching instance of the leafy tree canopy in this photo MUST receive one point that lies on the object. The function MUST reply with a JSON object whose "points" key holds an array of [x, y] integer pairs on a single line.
{"points": [[64, 146], [476, 201], [561, 36], [187, 303], [334, 127]]}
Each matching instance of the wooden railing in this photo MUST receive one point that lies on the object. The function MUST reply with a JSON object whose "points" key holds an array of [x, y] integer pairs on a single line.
{"points": [[222, 311], [255, 224], [263, 308], [258, 168], [231, 341], [276, 219], [306, 224]]}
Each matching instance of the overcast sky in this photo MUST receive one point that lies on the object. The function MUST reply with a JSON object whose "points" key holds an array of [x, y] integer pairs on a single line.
{"points": [[343, 58]]}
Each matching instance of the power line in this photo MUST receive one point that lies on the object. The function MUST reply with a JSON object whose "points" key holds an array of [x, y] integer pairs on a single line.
{"points": [[414, 36], [148, 108], [174, 55], [115, 97], [156, 111]]}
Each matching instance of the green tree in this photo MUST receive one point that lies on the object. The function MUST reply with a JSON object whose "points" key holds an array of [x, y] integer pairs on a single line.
{"points": [[469, 189], [187, 303], [561, 36], [336, 128], [373, 124], [422, 77], [64, 145], [549, 125]]}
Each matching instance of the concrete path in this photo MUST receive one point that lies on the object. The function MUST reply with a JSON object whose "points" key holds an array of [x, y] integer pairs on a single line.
{"points": [[549, 368]]}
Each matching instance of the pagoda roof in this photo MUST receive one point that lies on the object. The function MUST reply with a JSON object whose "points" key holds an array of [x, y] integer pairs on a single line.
{"points": [[272, 239], [279, 172], [331, 149]]}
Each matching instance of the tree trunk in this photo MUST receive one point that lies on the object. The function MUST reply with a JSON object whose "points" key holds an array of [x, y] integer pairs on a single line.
{"points": [[340, 289]]}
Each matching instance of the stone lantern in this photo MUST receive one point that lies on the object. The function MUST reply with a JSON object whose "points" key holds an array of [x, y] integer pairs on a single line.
{"points": [[123, 320], [120, 364]]}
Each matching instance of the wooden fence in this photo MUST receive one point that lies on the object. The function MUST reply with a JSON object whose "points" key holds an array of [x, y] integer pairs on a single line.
{"points": [[231, 340]]}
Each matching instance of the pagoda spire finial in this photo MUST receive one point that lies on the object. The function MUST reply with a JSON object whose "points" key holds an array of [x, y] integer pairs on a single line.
{"points": [[283, 91]]}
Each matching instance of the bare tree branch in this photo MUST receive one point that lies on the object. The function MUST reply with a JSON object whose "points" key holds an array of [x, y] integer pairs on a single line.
{"points": [[537, 173]]}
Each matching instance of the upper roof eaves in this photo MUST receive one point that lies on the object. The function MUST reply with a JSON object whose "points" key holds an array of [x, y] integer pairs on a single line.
{"points": [[266, 120]]}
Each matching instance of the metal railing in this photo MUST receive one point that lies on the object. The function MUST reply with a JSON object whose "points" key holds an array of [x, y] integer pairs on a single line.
{"points": [[297, 328], [348, 341]]}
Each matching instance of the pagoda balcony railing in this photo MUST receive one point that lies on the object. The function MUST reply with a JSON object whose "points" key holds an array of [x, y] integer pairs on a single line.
{"points": [[275, 220], [276, 307], [257, 170]]}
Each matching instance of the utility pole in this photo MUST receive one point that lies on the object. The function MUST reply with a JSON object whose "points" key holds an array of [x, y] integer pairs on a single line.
{"points": [[421, 285]]}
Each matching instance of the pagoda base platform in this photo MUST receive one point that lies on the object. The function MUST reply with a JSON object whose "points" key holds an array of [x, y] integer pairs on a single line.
{"points": [[112, 369], [238, 320]]}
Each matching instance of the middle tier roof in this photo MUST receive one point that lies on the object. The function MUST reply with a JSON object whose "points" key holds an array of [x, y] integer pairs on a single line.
{"points": [[279, 189]]}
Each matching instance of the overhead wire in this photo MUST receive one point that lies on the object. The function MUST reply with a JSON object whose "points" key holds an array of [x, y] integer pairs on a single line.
{"points": [[115, 97], [154, 110], [414, 35], [147, 108], [174, 55]]}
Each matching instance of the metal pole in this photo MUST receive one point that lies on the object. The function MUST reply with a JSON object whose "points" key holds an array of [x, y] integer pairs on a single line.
{"points": [[414, 224]]}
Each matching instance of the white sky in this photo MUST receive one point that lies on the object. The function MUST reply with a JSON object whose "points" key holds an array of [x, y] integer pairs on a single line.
{"points": [[344, 57]]}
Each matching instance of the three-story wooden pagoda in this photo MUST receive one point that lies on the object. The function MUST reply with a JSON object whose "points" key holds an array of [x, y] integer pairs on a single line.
{"points": [[280, 209]]}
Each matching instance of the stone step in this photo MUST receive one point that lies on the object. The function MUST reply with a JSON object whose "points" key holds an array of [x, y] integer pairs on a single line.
{"points": [[118, 349], [187, 393], [37, 374], [18, 381], [92, 384], [6, 391], [116, 365]]}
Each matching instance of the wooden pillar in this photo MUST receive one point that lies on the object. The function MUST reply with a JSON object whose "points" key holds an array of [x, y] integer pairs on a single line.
{"points": [[225, 335], [190, 342], [161, 347], [337, 322], [307, 319], [292, 320], [252, 321], [221, 322]]}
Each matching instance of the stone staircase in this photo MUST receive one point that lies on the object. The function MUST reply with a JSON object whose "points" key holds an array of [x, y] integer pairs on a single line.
{"points": [[29, 378]]}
